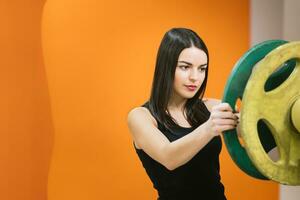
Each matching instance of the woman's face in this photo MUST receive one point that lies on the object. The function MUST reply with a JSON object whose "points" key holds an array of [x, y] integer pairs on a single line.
{"points": [[190, 72]]}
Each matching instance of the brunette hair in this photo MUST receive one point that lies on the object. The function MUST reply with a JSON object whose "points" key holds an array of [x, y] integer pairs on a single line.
{"points": [[173, 42]]}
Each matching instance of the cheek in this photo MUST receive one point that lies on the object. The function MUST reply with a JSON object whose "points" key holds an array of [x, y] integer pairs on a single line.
{"points": [[179, 77], [203, 76]]}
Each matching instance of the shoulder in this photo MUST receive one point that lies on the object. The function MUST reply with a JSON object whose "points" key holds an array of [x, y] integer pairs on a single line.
{"points": [[140, 122], [140, 115], [211, 102]]}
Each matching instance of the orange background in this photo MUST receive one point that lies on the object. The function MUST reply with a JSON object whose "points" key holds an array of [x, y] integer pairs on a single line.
{"points": [[25, 122], [97, 58]]}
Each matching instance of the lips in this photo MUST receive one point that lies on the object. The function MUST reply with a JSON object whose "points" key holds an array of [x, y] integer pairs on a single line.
{"points": [[191, 87]]}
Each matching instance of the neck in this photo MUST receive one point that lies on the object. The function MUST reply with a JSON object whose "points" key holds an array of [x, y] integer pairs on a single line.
{"points": [[176, 103]]}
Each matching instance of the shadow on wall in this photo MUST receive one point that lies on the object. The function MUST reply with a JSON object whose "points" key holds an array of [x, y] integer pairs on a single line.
{"points": [[26, 126]]}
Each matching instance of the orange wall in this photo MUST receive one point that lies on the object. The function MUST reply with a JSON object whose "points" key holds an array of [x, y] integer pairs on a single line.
{"points": [[25, 121], [99, 59]]}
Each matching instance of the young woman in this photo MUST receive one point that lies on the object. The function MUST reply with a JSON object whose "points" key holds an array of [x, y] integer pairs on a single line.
{"points": [[176, 132]]}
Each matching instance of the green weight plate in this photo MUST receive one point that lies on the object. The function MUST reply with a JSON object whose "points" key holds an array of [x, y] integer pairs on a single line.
{"points": [[234, 90], [274, 108]]}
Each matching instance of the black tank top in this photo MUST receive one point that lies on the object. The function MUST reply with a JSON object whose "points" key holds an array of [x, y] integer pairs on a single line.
{"points": [[198, 179]]}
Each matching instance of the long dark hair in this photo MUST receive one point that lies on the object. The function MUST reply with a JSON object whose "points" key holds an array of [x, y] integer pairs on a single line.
{"points": [[173, 42]]}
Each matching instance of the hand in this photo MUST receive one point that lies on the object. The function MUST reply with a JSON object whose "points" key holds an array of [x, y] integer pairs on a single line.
{"points": [[221, 119], [238, 127]]}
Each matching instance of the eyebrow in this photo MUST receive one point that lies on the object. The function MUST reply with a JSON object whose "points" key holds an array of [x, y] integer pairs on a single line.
{"points": [[191, 63]]}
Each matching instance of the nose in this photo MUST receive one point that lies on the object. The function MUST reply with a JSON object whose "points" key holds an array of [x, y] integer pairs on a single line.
{"points": [[194, 75]]}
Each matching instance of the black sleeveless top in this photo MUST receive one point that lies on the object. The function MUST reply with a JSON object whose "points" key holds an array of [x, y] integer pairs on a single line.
{"points": [[198, 179]]}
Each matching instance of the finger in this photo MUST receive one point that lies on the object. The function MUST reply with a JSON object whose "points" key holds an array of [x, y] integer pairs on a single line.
{"points": [[224, 106], [222, 122], [224, 114], [237, 117], [237, 114]]}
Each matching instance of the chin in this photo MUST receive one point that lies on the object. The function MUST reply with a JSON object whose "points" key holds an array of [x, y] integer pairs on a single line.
{"points": [[188, 96]]}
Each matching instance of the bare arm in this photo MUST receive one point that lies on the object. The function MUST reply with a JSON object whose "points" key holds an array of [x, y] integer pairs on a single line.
{"points": [[170, 154], [174, 154]]}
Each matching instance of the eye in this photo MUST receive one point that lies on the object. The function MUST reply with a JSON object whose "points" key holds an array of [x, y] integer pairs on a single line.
{"points": [[184, 67], [202, 69]]}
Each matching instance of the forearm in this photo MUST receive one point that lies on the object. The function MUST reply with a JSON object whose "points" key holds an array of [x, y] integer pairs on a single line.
{"points": [[184, 149]]}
